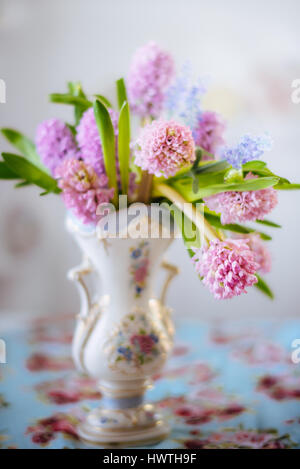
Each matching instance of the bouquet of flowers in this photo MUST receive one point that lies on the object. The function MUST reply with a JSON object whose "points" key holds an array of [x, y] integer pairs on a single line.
{"points": [[179, 157]]}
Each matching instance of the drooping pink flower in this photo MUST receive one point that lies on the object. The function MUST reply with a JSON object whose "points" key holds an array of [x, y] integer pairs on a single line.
{"points": [[243, 206], [55, 143], [208, 132], [89, 140], [82, 189], [150, 73], [164, 147], [227, 267], [261, 254]]}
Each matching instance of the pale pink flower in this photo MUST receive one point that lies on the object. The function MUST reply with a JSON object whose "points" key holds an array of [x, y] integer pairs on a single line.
{"points": [[82, 189], [55, 143], [150, 73], [89, 141], [208, 132], [227, 267], [243, 206], [261, 254], [164, 147]]}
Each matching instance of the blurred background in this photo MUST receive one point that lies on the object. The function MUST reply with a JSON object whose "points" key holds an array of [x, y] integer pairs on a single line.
{"points": [[250, 52]]}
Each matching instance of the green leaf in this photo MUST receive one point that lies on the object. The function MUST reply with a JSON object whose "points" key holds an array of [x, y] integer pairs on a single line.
{"points": [[107, 136], [215, 221], [195, 185], [72, 128], [260, 169], [67, 98], [24, 145], [30, 173], [198, 157], [6, 172], [287, 187], [205, 152], [212, 167], [189, 231], [197, 160], [76, 91], [184, 187], [22, 184], [264, 287], [268, 223], [124, 146], [104, 100], [121, 92], [193, 170], [254, 165]]}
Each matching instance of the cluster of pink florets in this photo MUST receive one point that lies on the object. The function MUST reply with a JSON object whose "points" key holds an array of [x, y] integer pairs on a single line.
{"points": [[149, 75], [164, 147], [261, 254], [55, 143], [208, 132], [227, 267], [82, 189], [243, 206], [89, 140]]}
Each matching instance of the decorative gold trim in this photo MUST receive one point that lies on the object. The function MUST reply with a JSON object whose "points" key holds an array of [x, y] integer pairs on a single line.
{"points": [[126, 430], [172, 270], [121, 392], [125, 444]]}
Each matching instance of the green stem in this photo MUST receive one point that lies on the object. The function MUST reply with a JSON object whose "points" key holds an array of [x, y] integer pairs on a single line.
{"points": [[188, 209], [145, 187]]}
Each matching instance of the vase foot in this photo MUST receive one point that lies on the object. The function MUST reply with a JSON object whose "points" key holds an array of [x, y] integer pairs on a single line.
{"points": [[123, 427]]}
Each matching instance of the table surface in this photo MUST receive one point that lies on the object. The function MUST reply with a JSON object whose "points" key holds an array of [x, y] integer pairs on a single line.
{"points": [[228, 384]]}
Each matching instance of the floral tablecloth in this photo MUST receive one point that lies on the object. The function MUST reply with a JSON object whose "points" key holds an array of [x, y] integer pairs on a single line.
{"points": [[231, 385]]}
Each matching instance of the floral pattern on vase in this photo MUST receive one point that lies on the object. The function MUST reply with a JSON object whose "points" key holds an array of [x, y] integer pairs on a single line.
{"points": [[136, 344], [139, 266]]}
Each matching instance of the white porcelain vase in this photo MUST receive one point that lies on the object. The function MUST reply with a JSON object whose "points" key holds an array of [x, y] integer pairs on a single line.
{"points": [[124, 332]]}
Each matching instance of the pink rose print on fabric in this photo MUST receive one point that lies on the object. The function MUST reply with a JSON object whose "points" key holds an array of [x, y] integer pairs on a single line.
{"points": [[196, 373], [180, 350], [198, 411], [238, 439], [46, 429], [280, 387], [68, 390], [42, 362], [261, 353]]}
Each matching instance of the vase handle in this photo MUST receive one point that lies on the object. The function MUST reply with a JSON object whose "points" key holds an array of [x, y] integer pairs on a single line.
{"points": [[76, 275], [172, 270]]}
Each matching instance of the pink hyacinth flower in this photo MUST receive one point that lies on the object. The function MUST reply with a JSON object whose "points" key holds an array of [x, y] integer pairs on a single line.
{"points": [[82, 189], [164, 147], [55, 143], [243, 206], [89, 142], [261, 254], [227, 267], [208, 132], [150, 73]]}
